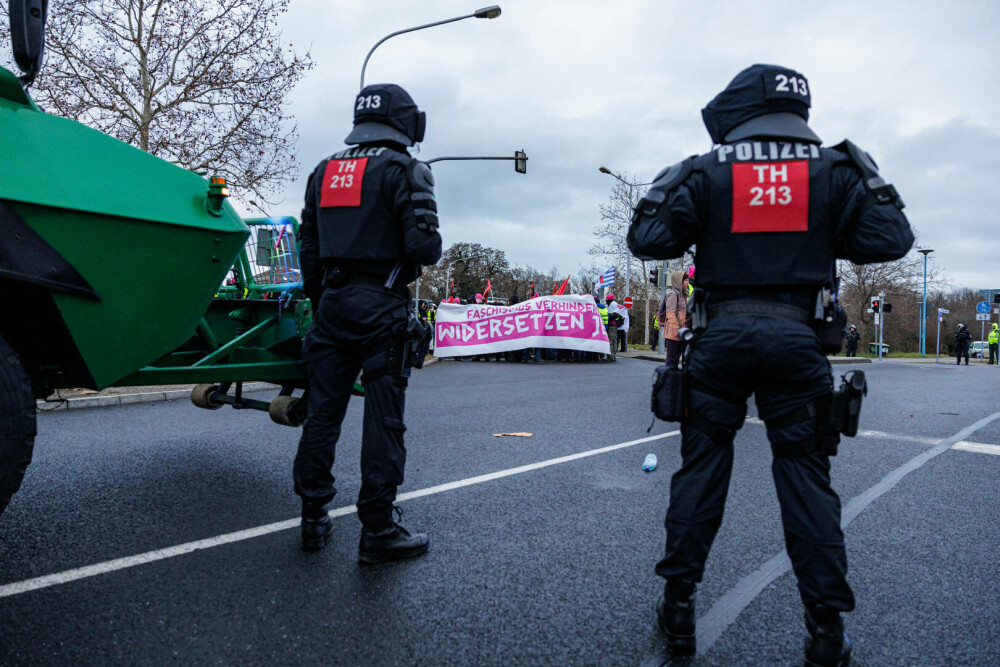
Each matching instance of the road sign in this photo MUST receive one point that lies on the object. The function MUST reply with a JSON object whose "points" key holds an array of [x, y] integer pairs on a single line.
{"points": [[628, 302], [944, 310], [983, 316], [983, 307], [876, 318]]}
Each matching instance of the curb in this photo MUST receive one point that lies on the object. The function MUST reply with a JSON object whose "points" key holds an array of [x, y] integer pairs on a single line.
{"points": [[832, 360], [117, 400]]}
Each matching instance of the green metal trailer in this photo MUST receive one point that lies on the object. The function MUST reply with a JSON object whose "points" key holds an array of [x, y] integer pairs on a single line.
{"points": [[120, 268]]}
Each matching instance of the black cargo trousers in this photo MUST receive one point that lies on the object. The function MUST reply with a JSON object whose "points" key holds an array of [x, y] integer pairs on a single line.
{"points": [[351, 331], [780, 361]]}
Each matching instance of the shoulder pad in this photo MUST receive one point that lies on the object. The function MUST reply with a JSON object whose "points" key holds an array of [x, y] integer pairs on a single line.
{"points": [[421, 184], [882, 192], [420, 176], [665, 181], [671, 177]]}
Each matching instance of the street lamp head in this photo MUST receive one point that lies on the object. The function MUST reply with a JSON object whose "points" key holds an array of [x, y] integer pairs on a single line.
{"points": [[925, 251], [604, 170], [490, 12]]}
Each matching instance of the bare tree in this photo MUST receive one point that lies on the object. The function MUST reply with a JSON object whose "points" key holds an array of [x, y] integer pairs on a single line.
{"points": [[902, 282], [201, 83], [610, 245], [616, 215]]}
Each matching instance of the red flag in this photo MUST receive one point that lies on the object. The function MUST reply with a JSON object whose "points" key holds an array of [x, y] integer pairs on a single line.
{"points": [[489, 286], [562, 288], [451, 292]]}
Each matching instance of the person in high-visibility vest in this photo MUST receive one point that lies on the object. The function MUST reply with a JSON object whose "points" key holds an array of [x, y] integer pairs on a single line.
{"points": [[993, 340], [656, 334], [603, 310]]}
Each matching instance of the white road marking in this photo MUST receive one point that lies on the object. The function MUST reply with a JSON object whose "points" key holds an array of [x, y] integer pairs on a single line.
{"points": [[727, 608], [964, 445], [17, 588], [977, 447]]}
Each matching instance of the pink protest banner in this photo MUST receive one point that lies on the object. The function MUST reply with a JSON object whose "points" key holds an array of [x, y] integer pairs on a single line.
{"points": [[559, 322]]}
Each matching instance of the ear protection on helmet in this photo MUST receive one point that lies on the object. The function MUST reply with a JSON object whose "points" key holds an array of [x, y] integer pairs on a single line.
{"points": [[418, 135]]}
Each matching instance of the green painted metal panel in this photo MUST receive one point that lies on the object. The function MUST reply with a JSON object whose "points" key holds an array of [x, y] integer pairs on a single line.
{"points": [[155, 281], [60, 163], [133, 225]]}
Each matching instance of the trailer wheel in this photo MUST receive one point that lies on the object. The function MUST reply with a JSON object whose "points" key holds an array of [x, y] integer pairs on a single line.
{"points": [[17, 423], [287, 411], [201, 396]]}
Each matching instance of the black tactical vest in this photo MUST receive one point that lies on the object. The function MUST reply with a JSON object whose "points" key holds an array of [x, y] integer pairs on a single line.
{"points": [[766, 217], [354, 217]]}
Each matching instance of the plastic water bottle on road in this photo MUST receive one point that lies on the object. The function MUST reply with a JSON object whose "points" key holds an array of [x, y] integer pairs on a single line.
{"points": [[650, 463]]}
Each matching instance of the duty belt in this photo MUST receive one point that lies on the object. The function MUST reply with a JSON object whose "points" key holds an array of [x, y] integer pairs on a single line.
{"points": [[335, 277], [758, 309]]}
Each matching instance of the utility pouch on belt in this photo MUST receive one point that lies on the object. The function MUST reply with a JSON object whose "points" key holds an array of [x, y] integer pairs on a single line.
{"points": [[668, 393], [831, 332], [670, 384], [831, 320], [846, 406]]}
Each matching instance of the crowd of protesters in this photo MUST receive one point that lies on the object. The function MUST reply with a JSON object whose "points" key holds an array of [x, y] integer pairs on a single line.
{"points": [[671, 317], [614, 317]]}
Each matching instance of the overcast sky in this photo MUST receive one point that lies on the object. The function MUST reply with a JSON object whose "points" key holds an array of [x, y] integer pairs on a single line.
{"points": [[589, 83]]}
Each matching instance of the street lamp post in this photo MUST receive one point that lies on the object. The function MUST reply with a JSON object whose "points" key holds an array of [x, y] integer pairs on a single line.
{"points": [[628, 260], [490, 12], [923, 321]]}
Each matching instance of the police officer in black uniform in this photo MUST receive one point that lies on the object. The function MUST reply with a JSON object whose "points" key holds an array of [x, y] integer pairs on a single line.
{"points": [[853, 337], [767, 190], [962, 340], [369, 223]]}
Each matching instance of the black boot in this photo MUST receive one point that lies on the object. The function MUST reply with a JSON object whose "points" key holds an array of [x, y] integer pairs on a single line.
{"points": [[391, 543], [827, 644], [675, 612], [317, 526]]}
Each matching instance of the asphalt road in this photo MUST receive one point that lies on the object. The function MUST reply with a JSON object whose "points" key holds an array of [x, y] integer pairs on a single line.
{"points": [[548, 565]]}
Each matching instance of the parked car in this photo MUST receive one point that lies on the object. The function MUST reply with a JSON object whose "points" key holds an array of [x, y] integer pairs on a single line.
{"points": [[978, 349]]}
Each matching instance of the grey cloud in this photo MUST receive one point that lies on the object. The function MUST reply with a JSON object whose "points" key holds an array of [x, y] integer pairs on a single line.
{"points": [[581, 84]]}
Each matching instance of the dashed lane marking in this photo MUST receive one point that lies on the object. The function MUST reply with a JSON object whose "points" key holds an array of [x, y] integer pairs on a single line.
{"points": [[17, 588], [977, 447], [964, 445]]}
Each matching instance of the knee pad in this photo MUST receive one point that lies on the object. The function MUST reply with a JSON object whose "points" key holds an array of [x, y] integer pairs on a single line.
{"points": [[716, 417]]}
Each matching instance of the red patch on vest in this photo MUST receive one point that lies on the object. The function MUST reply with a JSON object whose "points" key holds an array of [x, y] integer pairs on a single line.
{"points": [[342, 182], [771, 197]]}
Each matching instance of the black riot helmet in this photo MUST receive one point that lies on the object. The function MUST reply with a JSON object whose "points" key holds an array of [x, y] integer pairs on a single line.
{"points": [[386, 112], [761, 101]]}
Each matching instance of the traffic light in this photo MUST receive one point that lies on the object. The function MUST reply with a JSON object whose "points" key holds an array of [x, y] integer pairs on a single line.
{"points": [[886, 307], [654, 276], [875, 304], [521, 163]]}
